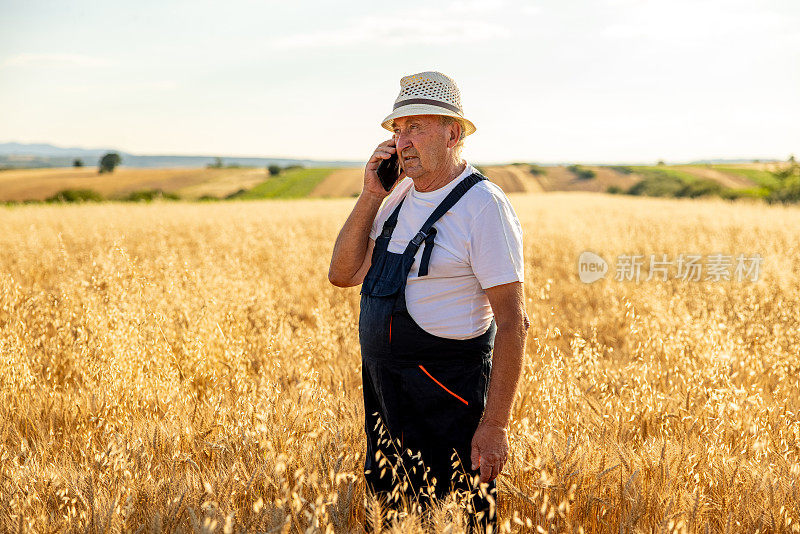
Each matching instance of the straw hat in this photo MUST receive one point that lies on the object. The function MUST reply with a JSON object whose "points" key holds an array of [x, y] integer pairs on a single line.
{"points": [[428, 93]]}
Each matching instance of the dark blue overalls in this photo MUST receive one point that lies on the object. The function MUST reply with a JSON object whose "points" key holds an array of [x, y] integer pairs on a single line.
{"points": [[424, 395]]}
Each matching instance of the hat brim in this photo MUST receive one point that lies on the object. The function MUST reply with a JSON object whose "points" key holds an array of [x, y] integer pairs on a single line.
{"points": [[426, 109]]}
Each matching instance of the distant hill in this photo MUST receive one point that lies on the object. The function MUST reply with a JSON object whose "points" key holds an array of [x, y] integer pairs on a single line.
{"points": [[527, 178], [35, 172], [731, 180], [51, 151], [23, 155]]}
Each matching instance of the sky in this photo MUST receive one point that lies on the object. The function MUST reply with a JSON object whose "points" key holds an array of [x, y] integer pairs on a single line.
{"points": [[594, 81]]}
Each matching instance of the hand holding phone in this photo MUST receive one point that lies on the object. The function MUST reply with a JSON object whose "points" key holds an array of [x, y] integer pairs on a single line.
{"points": [[383, 169], [389, 171]]}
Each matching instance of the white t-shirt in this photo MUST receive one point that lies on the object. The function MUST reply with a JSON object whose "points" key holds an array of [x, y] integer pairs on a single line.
{"points": [[478, 245]]}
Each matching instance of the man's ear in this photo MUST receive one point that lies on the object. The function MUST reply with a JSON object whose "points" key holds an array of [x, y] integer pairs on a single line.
{"points": [[455, 133]]}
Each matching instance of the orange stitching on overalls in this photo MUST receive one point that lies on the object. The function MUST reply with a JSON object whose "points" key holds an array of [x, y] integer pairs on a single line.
{"points": [[390, 328], [442, 385]]}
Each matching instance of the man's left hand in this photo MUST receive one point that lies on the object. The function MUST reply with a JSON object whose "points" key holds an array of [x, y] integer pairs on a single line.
{"points": [[489, 450]]}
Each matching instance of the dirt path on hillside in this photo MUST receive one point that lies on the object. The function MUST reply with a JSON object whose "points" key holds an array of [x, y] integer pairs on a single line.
{"points": [[606, 178], [513, 179], [225, 184], [340, 183], [555, 179], [723, 178], [561, 179]]}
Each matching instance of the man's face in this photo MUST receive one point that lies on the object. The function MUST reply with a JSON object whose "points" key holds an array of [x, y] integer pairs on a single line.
{"points": [[421, 142]]}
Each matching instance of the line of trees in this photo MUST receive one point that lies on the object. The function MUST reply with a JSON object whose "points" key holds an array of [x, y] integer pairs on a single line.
{"points": [[111, 160], [107, 163]]}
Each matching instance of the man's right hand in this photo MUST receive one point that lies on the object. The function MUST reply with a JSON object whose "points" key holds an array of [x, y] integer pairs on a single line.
{"points": [[352, 252], [372, 184]]}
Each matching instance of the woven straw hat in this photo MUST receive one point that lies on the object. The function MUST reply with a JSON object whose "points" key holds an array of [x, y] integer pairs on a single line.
{"points": [[428, 93]]}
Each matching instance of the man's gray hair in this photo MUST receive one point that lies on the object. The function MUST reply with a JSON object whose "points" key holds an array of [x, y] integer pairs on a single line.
{"points": [[447, 120]]}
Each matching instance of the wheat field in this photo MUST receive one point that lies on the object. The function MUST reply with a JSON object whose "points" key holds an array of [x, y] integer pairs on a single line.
{"points": [[188, 368]]}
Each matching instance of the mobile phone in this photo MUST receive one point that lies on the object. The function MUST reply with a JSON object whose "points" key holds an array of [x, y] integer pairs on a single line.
{"points": [[389, 171]]}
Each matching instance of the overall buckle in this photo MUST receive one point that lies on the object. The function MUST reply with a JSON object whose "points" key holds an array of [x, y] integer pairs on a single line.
{"points": [[419, 238]]}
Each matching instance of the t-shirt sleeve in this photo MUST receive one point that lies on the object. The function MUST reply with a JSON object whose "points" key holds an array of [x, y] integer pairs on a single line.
{"points": [[496, 244], [377, 224]]}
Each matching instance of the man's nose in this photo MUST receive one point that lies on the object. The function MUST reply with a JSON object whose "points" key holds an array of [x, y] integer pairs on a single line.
{"points": [[401, 142]]}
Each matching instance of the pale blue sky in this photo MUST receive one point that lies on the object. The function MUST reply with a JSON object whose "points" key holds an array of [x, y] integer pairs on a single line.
{"points": [[585, 81]]}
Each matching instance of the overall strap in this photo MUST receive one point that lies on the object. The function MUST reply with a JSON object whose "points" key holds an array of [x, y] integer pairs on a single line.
{"points": [[426, 254], [448, 202], [391, 222]]}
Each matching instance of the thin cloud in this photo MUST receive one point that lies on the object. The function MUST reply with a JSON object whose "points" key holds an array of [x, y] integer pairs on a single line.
{"points": [[475, 6], [55, 60], [157, 85], [665, 23], [152, 86], [397, 31]]}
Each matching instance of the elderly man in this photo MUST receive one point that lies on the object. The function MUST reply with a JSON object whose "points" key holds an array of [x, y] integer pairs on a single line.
{"points": [[442, 324]]}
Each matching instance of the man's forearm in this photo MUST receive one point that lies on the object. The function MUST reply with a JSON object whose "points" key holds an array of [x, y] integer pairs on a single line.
{"points": [[507, 360], [353, 240]]}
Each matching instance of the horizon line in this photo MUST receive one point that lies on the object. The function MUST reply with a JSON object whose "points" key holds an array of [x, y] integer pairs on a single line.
{"points": [[363, 162]]}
